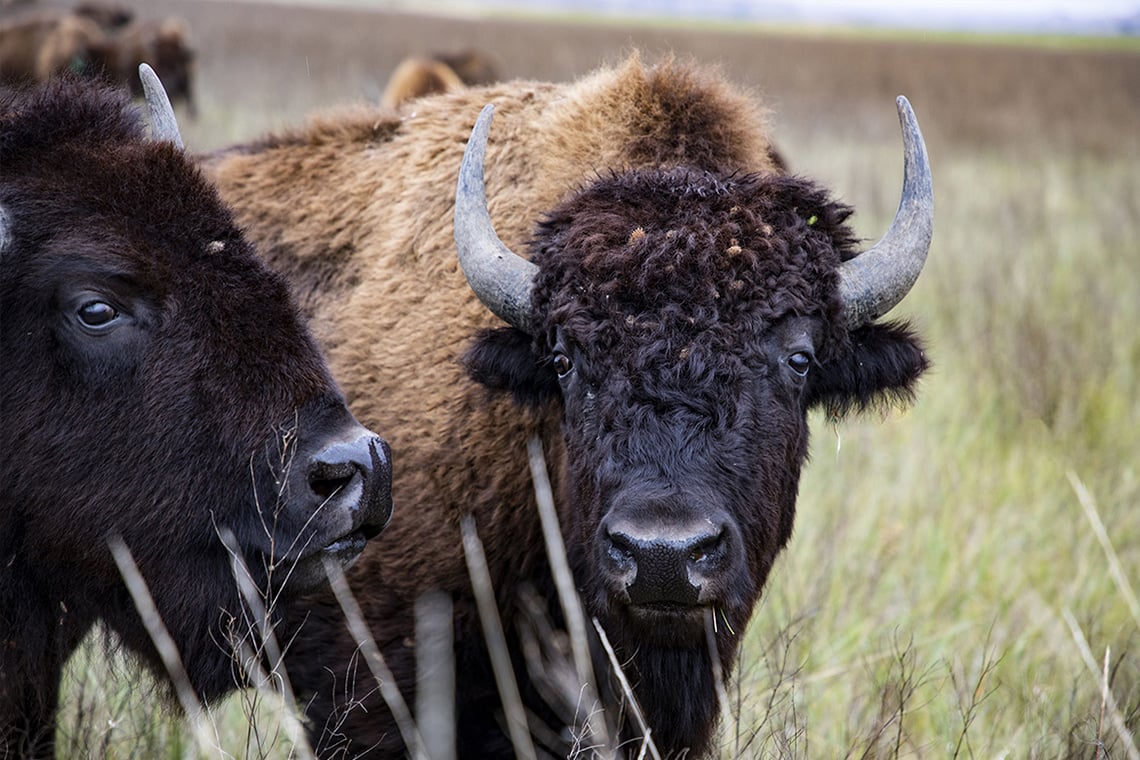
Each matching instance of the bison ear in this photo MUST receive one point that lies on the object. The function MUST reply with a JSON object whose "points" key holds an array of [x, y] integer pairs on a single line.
{"points": [[879, 367], [504, 359]]}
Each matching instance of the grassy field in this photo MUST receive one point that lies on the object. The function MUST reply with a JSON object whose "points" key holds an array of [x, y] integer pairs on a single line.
{"points": [[963, 577]]}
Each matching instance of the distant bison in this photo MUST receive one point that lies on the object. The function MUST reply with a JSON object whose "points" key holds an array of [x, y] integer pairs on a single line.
{"points": [[166, 45], [416, 77], [39, 47], [159, 389], [96, 41], [680, 307], [107, 15]]}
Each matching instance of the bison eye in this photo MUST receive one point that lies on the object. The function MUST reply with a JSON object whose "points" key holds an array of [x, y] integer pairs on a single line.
{"points": [[97, 314], [562, 364], [800, 362]]}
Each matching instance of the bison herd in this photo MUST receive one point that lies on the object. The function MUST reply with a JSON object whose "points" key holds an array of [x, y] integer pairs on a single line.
{"points": [[615, 271], [99, 41]]}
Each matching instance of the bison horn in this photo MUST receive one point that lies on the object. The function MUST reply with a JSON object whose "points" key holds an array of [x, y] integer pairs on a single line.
{"points": [[877, 279], [501, 278], [163, 125]]}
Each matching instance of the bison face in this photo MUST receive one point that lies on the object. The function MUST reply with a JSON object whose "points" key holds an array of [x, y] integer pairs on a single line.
{"points": [[159, 387], [683, 461], [687, 320]]}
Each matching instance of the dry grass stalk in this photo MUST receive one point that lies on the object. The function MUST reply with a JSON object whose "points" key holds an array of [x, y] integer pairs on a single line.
{"points": [[260, 630], [627, 690], [1108, 700], [375, 661], [163, 642], [435, 675], [496, 641], [567, 592], [1093, 515]]}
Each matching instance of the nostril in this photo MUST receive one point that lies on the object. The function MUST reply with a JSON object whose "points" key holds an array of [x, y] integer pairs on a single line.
{"points": [[326, 480], [707, 550], [620, 550]]}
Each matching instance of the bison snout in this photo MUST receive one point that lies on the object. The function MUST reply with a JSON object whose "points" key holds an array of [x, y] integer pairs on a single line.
{"points": [[672, 567], [354, 477]]}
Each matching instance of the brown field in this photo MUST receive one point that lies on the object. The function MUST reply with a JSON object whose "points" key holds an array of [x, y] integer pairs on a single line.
{"points": [[266, 64], [947, 592]]}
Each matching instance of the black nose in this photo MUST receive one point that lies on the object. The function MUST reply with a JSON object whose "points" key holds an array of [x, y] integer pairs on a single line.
{"points": [[355, 477], [666, 564]]}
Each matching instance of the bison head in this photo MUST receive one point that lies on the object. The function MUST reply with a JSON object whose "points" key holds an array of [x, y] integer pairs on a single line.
{"points": [[159, 389], [686, 320]]}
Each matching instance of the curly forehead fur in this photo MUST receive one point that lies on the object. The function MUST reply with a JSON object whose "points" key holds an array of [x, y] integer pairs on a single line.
{"points": [[683, 252]]}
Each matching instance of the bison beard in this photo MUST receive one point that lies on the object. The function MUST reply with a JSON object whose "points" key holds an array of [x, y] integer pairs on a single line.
{"points": [[672, 322]]}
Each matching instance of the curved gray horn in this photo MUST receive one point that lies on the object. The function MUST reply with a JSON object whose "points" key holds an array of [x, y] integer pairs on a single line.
{"points": [[873, 282], [163, 125], [501, 278]]}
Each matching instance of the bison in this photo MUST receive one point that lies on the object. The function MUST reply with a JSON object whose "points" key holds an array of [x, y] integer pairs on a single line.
{"points": [[416, 77], [97, 41], [36, 48], [676, 308], [159, 391], [162, 43]]}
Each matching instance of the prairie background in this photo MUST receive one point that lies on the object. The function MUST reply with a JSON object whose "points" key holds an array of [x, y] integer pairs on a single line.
{"points": [[962, 580]]}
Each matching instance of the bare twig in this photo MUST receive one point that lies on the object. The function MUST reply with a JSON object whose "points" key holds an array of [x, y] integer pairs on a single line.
{"points": [[262, 632]]}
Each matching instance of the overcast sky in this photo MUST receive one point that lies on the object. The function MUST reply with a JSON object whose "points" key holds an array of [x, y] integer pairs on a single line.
{"points": [[1077, 16]]}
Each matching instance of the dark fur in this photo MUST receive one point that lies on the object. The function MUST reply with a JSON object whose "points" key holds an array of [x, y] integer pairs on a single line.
{"points": [[670, 332], [164, 430]]}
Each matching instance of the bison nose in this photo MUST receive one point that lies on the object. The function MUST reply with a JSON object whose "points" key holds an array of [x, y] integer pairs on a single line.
{"points": [[670, 567], [355, 476]]}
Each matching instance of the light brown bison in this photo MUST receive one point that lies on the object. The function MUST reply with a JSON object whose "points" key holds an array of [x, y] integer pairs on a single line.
{"points": [[677, 309], [416, 77], [158, 391]]}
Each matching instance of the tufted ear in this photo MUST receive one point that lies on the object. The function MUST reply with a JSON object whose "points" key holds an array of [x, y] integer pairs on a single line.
{"points": [[879, 368], [504, 359]]}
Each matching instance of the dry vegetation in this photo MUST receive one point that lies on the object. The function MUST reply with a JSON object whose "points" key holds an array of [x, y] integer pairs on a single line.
{"points": [[963, 577]]}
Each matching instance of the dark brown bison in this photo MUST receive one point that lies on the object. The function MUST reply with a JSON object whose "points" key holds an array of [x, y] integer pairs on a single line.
{"points": [[37, 48], [158, 389], [677, 309], [416, 77], [165, 45], [92, 42], [108, 16]]}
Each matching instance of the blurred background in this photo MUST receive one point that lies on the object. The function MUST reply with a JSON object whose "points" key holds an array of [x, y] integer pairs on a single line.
{"points": [[963, 577]]}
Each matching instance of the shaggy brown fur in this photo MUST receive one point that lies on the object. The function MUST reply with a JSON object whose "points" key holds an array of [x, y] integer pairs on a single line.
{"points": [[357, 210]]}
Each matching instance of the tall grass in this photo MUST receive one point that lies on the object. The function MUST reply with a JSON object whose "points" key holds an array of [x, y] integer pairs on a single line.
{"points": [[955, 568]]}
